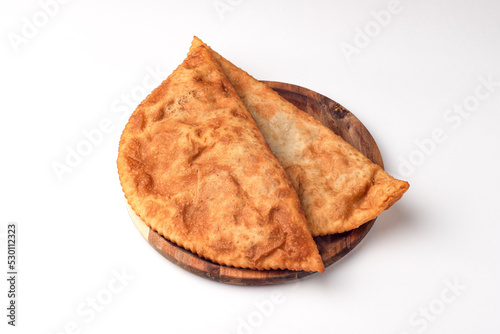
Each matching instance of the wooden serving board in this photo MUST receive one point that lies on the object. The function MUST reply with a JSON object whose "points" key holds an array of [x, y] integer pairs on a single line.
{"points": [[331, 247]]}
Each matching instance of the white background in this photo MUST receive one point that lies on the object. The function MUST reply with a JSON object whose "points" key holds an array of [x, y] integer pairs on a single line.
{"points": [[74, 235]]}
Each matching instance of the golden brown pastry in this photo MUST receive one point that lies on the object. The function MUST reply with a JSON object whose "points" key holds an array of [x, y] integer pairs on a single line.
{"points": [[195, 168], [340, 189]]}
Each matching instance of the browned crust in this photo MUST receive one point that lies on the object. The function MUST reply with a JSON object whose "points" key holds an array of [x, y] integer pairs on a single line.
{"points": [[195, 168], [339, 188]]}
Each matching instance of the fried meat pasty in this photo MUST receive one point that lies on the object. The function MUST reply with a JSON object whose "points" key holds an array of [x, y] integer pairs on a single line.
{"points": [[339, 188], [195, 168]]}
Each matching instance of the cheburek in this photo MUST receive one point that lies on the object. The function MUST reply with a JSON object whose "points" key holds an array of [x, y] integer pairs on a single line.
{"points": [[339, 188], [195, 168]]}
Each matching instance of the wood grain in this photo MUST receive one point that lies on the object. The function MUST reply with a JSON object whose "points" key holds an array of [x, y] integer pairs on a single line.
{"points": [[331, 247]]}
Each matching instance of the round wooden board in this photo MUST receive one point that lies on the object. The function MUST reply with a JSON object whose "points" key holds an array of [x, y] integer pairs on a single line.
{"points": [[331, 247]]}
